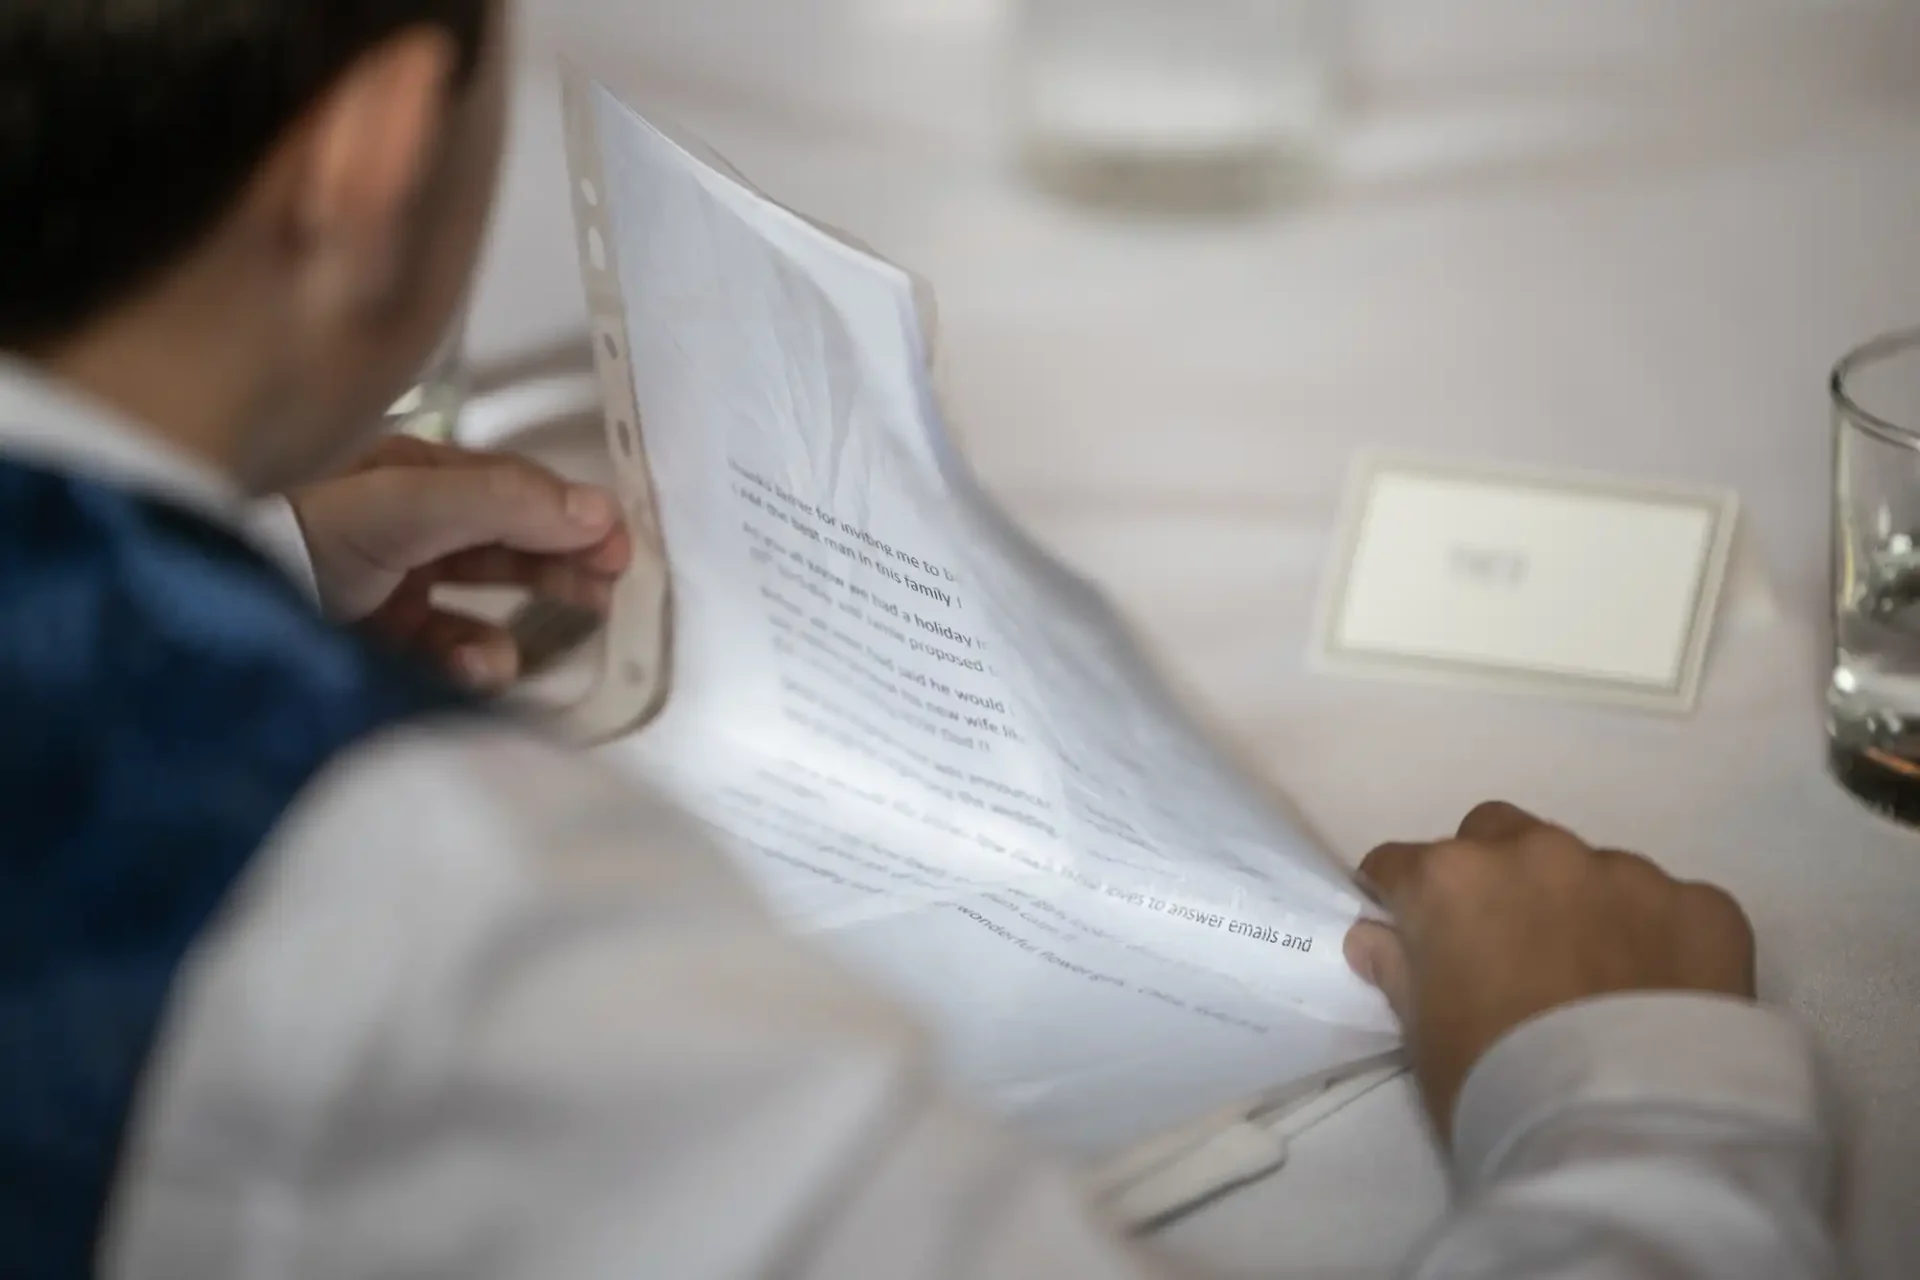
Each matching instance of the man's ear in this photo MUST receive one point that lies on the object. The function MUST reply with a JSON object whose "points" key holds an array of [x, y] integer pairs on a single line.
{"points": [[365, 155]]}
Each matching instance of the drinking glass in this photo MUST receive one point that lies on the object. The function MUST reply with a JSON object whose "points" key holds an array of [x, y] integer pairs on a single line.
{"points": [[430, 409], [1874, 700], [1175, 102]]}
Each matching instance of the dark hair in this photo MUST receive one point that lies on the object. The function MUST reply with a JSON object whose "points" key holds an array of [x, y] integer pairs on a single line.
{"points": [[128, 130]]}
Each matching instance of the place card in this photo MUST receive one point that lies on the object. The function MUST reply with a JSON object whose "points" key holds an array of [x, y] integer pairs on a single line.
{"points": [[1577, 586]]}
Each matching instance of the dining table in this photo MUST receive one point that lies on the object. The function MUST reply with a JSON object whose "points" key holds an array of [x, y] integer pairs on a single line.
{"points": [[1625, 238]]}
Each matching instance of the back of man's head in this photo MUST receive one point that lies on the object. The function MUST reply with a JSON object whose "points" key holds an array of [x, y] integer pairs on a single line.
{"points": [[243, 222], [127, 127]]}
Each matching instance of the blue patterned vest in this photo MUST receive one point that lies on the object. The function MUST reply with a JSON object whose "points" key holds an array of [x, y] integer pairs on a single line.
{"points": [[165, 694]]}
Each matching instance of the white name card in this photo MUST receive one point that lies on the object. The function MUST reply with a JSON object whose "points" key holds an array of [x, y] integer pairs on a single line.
{"points": [[1576, 586]]}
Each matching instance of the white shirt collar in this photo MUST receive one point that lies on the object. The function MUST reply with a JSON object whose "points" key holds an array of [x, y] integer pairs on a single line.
{"points": [[53, 426], [60, 429]]}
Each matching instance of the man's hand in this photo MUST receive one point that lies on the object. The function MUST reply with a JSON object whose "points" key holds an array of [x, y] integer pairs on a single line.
{"points": [[1516, 918], [415, 515]]}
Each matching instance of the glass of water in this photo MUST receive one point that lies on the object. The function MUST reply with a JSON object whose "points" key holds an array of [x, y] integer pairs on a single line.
{"points": [[1178, 103], [1874, 702], [431, 407]]}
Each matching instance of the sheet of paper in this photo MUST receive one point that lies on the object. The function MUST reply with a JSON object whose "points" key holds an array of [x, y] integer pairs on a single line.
{"points": [[1570, 585], [924, 740]]}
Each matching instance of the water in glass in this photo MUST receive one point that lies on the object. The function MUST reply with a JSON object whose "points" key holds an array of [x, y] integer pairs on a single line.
{"points": [[1175, 101], [1874, 696]]}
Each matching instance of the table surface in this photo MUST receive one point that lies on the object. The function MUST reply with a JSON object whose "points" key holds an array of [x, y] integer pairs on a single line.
{"points": [[1620, 235]]}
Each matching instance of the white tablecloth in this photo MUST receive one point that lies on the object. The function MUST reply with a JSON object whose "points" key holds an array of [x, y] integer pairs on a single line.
{"points": [[1625, 235]]}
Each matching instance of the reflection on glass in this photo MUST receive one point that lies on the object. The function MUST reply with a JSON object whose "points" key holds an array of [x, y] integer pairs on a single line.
{"points": [[1874, 698]]}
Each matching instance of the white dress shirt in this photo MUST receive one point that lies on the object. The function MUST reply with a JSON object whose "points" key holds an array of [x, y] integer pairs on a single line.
{"points": [[487, 1009]]}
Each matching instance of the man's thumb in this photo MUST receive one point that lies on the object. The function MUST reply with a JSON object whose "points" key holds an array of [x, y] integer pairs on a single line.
{"points": [[1380, 958]]}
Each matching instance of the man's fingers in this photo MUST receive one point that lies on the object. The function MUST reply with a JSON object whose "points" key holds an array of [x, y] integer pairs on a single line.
{"points": [[475, 652], [1717, 941], [412, 451], [417, 516], [574, 580], [490, 567], [1380, 958], [612, 556], [1496, 822], [1391, 869]]}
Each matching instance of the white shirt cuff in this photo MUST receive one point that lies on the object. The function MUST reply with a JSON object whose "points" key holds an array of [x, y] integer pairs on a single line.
{"points": [[275, 530], [1693, 1052]]}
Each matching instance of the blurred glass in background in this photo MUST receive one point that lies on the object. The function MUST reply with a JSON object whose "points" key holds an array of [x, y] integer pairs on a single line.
{"points": [[1874, 705], [430, 409], [1176, 103]]}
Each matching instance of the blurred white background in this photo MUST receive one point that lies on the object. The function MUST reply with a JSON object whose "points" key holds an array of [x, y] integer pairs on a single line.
{"points": [[1515, 182]]}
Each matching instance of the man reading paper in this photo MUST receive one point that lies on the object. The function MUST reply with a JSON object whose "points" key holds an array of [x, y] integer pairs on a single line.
{"points": [[312, 966]]}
